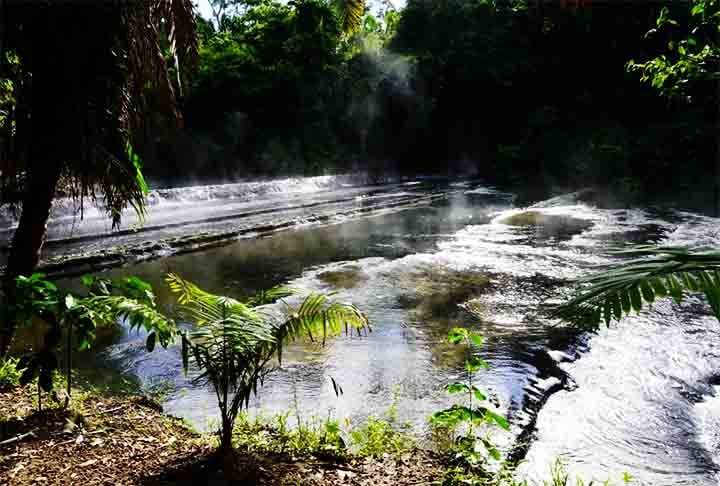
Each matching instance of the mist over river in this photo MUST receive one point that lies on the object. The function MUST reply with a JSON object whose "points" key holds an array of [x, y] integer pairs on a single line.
{"points": [[641, 397]]}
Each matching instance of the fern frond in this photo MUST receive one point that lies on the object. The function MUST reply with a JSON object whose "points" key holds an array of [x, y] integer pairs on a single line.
{"points": [[204, 307], [137, 314], [627, 287], [315, 317], [269, 296], [350, 13]]}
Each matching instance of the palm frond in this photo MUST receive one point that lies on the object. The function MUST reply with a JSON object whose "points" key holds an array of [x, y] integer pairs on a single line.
{"points": [[137, 314], [124, 46], [625, 288], [269, 296], [232, 345], [317, 316], [206, 307], [350, 13]]}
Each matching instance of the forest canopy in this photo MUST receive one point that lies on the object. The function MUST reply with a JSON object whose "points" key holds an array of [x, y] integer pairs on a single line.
{"points": [[501, 89]]}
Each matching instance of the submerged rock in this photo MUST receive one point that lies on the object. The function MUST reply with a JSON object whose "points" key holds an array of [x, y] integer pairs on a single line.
{"points": [[345, 278], [557, 225]]}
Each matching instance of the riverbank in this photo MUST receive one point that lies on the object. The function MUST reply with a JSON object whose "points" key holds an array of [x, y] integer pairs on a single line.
{"points": [[127, 439]]}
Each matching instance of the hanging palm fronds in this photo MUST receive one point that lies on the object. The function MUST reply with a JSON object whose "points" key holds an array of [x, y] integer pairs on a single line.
{"points": [[101, 65], [627, 287], [350, 13]]}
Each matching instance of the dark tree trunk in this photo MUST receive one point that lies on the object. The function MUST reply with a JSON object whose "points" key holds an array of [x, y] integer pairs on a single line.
{"points": [[51, 102], [30, 234], [28, 239]]}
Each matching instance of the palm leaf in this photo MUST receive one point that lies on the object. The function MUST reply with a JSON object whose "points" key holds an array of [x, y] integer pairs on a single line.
{"points": [[269, 296], [137, 314], [232, 344], [133, 48], [625, 288], [350, 13]]}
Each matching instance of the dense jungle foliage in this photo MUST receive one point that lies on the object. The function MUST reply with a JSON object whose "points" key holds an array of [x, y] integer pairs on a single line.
{"points": [[502, 89]]}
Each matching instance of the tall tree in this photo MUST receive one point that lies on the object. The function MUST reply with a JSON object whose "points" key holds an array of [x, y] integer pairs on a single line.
{"points": [[86, 71]]}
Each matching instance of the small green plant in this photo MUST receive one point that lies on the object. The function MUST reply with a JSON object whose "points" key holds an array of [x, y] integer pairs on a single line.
{"points": [[233, 343], [317, 437], [474, 415], [70, 321], [558, 477], [378, 436], [9, 373]]}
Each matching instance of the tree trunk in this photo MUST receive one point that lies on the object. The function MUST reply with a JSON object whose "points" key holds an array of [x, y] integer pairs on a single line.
{"points": [[29, 238], [226, 451], [51, 101]]}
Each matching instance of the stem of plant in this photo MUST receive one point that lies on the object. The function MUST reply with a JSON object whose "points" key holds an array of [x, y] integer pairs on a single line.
{"points": [[470, 382], [68, 371]]}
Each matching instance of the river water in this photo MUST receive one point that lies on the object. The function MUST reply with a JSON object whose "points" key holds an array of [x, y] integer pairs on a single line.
{"points": [[642, 397]]}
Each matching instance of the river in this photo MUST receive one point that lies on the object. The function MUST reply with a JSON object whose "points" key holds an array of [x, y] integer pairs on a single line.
{"points": [[640, 397]]}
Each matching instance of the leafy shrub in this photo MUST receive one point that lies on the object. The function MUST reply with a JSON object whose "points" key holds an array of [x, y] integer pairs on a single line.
{"points": [[232, 343], [71, 321], [378, 436], [275, 436], [9, 373], [468, 456]]}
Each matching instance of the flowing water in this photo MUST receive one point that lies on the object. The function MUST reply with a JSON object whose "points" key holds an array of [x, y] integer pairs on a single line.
{"points": [[642, 397]]}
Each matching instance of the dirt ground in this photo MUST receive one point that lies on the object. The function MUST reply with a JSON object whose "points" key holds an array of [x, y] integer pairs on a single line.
{"points": [[124, 440]]}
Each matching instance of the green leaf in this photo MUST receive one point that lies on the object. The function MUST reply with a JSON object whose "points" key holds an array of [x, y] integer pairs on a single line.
{"points": [[625, 302], [647, 292], [478, 394], [474, 364], [452, 416], [498, 419], [457, 335], [635, 299], [476, 339], [491, 449], [616, 306], [457, 388]]}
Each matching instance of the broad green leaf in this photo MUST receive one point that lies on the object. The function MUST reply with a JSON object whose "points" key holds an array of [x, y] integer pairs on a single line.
{"points": [[457, 388], [491, 449], [474, 364], [476, 339], [498, 419], [478, 394], [457, 335]]}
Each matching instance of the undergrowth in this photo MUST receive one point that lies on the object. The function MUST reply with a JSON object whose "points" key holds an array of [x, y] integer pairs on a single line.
{"points": [[378, 436], [9, 373], [506, 476], [287, 434]]}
